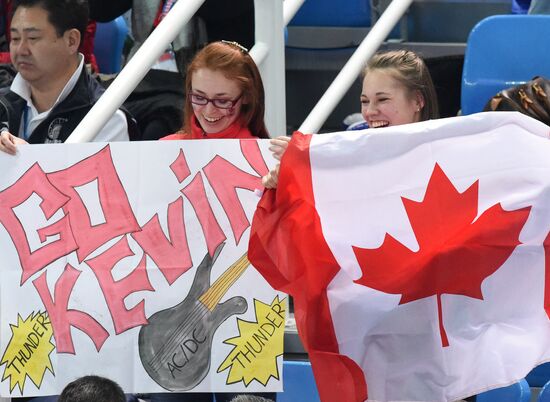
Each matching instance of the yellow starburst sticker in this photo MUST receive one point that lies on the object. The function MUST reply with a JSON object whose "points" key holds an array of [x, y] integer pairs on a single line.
{"points": [[28, 352], [254, 356]]}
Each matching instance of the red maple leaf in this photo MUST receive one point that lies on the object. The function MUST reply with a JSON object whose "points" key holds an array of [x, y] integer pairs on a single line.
{"points": [[456, 250]]}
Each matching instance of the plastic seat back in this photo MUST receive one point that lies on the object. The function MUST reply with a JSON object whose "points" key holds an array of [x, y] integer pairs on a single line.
{"points": [[351, 13], [544, 395], [503, 51], [109, 43], [539, 376], [518, 392], [299, 384]]}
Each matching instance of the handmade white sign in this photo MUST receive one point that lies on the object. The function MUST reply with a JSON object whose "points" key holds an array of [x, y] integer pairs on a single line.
{"points": [[129, 260]]}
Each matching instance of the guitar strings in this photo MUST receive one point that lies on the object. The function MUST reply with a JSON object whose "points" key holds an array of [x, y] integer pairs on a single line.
{"points": [[213, 295]]}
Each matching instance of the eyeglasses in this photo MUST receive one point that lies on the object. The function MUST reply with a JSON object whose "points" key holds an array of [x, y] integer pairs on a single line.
{"points": [[220, 103]]}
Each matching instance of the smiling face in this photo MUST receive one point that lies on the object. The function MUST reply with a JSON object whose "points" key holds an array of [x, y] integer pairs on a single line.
{"points": [[213, 84], [41, 56], [387, 102]]}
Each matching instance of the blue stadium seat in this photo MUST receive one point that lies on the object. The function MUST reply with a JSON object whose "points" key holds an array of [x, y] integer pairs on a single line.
{"points": [[520, 6], [539, 376], [299, 384], [518, 392], [109, 42], [351, 13], [503, 51], [544, 395]]}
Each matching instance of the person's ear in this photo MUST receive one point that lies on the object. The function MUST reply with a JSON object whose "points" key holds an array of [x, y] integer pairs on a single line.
{"points": [[419, 100], [72, 39]]}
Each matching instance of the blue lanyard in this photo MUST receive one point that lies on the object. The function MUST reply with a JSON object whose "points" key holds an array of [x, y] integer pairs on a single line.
{"points": [[26, 134]]}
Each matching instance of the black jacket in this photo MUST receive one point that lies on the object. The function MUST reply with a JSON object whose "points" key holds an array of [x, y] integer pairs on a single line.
{"points": [[63, 118], [224, 19], [107, 10]]}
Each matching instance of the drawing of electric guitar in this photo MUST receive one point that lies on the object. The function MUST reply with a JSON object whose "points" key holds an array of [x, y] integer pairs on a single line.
{"points": [[175, 345]]}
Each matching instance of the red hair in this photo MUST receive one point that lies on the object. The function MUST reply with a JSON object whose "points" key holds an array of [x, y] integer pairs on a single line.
{"points": [[234, 62]]}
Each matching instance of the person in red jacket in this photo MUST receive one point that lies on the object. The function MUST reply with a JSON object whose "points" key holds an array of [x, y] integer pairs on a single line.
{"points": [[224, 95], [225, 99]]}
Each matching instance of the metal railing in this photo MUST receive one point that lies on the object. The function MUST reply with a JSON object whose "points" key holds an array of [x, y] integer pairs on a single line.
{"points": [[290, 8], [268, 53], [349, 73]]}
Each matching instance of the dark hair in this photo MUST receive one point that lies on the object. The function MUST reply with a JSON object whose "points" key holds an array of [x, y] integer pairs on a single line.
{"points": [[250, 398], [410, 70], [62, 14], [92, 388], [234, 62]]}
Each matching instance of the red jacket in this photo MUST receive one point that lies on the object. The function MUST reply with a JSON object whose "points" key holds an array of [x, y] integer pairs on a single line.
{"points": [[5, 14], [87, 45], [235, 130]]}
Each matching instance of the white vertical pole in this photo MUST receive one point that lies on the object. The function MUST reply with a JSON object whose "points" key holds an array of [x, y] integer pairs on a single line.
{"points": [[135, 70], [353, 67], [269, 55], [290, 8]]}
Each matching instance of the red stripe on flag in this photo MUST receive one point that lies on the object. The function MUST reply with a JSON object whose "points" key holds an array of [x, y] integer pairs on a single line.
{"points": [[288, 248]]}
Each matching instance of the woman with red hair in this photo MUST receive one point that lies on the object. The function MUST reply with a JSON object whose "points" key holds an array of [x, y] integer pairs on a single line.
{"points": [[224, 95], [224, 100]]}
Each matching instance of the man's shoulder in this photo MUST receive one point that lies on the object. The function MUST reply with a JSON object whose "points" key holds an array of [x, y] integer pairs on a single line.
{"points": [[11, 100], [7, 93], [88, 84], [82, 96]]}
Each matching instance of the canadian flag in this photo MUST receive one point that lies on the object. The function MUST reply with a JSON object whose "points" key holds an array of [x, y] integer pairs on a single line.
{"points": [[415, 255]]}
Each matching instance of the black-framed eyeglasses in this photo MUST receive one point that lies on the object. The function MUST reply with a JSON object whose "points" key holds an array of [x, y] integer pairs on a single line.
{"points": [[220, 103]]}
